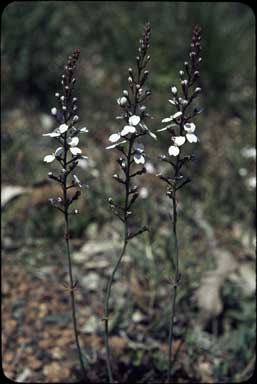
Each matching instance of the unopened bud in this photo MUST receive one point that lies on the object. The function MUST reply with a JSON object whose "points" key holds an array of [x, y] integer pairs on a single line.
{"points": [[174, 90]]}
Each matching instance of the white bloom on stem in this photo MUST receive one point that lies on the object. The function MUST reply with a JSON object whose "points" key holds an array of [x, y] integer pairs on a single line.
{"points": [[174, 90], [122, 101], [249, 152], [139, 153], [128, 129], [49, 158], [134, 120], [189, 127], [58, 152], [83, 130], [63, 128], [191, 138], [54, 111], [173, 150], [75, 150], [179, 140], [114, 137], [143, 193], [73, 141]]}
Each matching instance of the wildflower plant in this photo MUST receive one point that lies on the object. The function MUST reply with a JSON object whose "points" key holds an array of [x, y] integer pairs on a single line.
{"points": [[181, 129], [67, 156], [131, 158]]}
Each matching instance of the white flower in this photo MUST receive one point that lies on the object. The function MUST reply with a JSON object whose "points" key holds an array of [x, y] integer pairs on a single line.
{"points": [[174, 90], [58, 152], [134, 120], [122, 101], [83, 130], [242, 171], [143, 192], [249, 152], [173, 150], [63, 128], [149, 167], [251, 182], [128, 129], [75, 150], [54, 111], [179, 140], [49, 158], [173, 101], [189, 127], [114, 137], [73, 141], [191, 138], [139, 153]]}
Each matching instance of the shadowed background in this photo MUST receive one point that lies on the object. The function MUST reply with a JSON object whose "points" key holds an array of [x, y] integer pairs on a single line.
{"points": [[215, 337]]}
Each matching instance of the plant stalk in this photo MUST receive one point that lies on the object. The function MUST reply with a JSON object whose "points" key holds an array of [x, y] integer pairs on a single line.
{"points": [[174, 287]]}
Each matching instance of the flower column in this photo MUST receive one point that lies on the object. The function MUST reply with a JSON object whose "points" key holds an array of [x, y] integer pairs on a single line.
{"points": [[67, 155], [131, 155], [182, 131]]}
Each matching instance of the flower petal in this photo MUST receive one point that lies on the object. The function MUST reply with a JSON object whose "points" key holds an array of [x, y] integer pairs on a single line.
{"points": [[177, 114], [73, 141], [58, 151], [49, 158], [139, 158], [191, 137], [63, 128], [75, 150], [179, 140], [83, 130], [134, 120], [127, 129], [189, 127], [167, 119], [173, 150], [114, 137], [52, 134]]}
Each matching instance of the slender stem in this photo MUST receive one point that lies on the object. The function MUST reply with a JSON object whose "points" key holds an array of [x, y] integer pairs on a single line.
{"points": [[74, 319], [174, 287], [67, 240], [110, 282]]}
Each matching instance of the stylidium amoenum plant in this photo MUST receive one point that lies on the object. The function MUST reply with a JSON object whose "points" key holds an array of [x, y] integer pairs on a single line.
{"points": [[131, 158], [67, 155], [181, 130]]}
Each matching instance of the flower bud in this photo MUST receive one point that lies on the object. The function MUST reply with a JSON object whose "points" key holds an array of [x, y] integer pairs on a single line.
{"points": [[75, 118], [57, 94], [54, 111], [125, 92], [174, 90]]}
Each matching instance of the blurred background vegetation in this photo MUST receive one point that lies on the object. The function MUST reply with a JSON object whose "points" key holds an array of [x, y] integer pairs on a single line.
{"points": [[36, 39]]}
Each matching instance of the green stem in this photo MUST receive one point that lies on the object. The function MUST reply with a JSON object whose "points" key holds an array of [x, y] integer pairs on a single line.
{"points": [[67, 240], [174, 288]]}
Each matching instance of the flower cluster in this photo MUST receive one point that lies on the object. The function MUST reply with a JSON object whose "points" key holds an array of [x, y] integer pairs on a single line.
{"points": [[181, 127], [67, 133], [134, 115], [180, 124]]}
